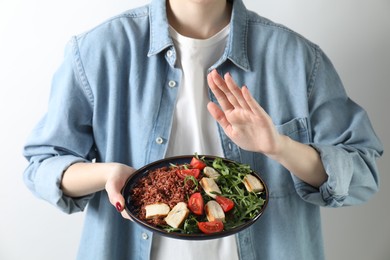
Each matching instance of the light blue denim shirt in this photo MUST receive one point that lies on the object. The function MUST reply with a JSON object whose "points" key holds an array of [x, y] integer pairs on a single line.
{"points": [[113, 99]]}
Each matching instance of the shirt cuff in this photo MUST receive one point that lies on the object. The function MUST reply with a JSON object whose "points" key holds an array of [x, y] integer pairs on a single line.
{"points": [[334, 191], [48, 184]]}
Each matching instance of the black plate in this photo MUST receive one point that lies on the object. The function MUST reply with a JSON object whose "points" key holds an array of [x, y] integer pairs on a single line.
{"points": [[134, 179]]}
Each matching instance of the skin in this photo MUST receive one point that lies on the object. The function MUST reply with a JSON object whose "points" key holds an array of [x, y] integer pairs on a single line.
{"points": [[242, 118], [198, 19], [250, 127]]}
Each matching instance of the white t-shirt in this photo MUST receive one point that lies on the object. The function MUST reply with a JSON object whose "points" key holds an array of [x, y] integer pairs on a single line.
{"points": [[194, 130]]}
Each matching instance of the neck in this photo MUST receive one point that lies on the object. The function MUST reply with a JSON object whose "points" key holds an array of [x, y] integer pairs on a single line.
{"points": [[199, 19]]}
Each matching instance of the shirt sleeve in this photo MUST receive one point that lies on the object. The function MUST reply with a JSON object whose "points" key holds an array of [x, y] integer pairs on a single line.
{"points": [[63, 136], [342, 134]]}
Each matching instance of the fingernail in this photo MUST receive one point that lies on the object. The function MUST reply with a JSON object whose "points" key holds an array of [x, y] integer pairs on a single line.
{"points": [[118, 206]]}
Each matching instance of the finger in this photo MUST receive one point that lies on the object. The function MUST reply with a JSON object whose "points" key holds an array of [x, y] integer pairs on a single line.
{"points": [[228, 87], [218, 115], [252, 103], [212, 79], [236, 92], [117, 201], [223, 86], [126, 215], [114, 195]]}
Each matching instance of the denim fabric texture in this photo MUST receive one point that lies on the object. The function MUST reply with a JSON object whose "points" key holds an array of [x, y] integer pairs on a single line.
{"points": [[112, 101]]}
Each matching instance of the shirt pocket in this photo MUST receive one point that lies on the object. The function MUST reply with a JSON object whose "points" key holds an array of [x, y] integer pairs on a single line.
{"points": [[278, 179], [296, 129]]}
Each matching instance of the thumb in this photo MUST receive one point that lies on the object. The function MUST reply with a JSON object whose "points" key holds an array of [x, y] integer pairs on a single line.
{"points": [[114, 186], [115, 196], [118, 201]]}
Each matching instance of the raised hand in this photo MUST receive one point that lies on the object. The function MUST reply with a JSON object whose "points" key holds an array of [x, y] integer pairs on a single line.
{"points": [[244, 121], [250, 127]]}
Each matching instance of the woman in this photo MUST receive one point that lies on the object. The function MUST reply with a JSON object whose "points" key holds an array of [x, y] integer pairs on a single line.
{"points": [[135, 89]]}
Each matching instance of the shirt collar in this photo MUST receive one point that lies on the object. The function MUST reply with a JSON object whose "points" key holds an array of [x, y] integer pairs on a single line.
{"points": [[236, 49], [159, 27]]}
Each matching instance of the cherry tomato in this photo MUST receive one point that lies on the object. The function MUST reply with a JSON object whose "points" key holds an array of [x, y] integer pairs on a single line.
{"points": [[182, 173], [197, 163], [226, 203], [211, 227], [196, 203]]}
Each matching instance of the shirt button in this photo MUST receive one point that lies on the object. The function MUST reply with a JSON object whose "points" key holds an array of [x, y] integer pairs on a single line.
{"points": [[169, 53], [159, 140], [230, 146], [172, 83], [144, 236]]}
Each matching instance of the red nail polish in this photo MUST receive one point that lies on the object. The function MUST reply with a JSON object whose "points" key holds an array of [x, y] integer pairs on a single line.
{"points": [[118, 207]]}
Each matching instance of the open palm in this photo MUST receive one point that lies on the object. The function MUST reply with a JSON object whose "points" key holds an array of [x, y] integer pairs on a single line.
{"points": [[244, 121]]}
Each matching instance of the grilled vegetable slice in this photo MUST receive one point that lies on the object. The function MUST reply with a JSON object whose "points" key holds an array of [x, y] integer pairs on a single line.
{"points": [[211, 172], [210, 186], [177, 215], [252, 183], [214, 211], [157, 210]]}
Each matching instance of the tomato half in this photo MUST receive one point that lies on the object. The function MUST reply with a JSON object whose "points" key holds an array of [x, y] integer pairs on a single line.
{"points": [[197, 163], [182, 173], [196, 203], [226, 203], [211, 227]]}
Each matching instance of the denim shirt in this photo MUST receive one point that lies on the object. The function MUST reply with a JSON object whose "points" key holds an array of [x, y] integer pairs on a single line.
{"points": [[113, 98]]}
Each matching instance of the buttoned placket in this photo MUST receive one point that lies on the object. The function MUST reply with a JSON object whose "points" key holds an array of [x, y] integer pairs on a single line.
{"points": [[162, 127]]}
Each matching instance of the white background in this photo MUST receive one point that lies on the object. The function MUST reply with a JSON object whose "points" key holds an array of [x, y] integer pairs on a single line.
{"points": [[354, 33]]}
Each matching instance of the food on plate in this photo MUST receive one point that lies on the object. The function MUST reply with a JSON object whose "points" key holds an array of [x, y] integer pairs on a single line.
{"points": [[196, 203], [210, 187], [197, 163], [225, 203], [156, 210], [252, 183], [211, 172], [183, 173], [214, 211], [161, 185], [210, 227], [201, 196], [177, 215]]}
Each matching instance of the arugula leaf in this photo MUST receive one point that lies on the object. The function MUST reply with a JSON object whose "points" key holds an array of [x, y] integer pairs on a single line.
{"points": [[194, 181], [247, 205]]}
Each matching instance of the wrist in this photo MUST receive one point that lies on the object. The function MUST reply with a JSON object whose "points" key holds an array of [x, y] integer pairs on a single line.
{"points": [[280, 149], [117, 174], [85, 178]]}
